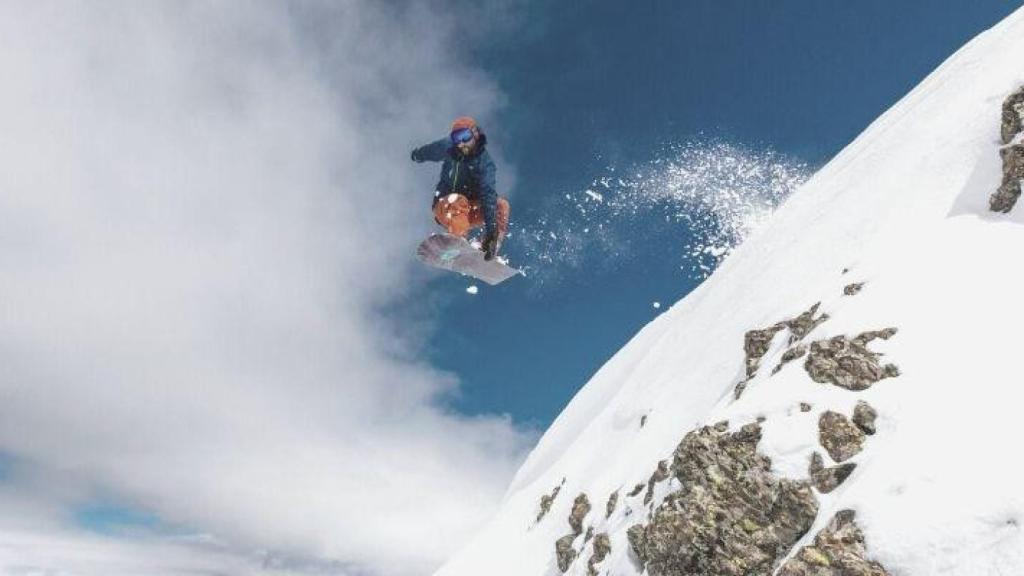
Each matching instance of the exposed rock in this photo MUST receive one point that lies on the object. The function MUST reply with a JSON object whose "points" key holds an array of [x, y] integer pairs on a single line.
{"points": [[757, 342], [845, 270], [1005, 197], [564, 551], [848, 363], [721, 426], [731, 517], [853, 289], [637, 537], [805, 407], [828, 479], [839, 436], [580, 509], [803, 324], [755, 345], [741, 386], [788, 356], [838, 550], [613, 501], [660, 474], [864, 417], [643, 420], [636, 489], [547, 500], [1013, 116], [589, 535], [1012, 154], [602, 547]]}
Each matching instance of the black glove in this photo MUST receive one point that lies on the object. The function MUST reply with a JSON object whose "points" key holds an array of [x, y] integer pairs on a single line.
{"points": [[416, 157]]}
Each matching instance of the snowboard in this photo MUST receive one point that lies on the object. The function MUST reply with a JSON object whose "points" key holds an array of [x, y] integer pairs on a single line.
{"points": [[450, 252]]}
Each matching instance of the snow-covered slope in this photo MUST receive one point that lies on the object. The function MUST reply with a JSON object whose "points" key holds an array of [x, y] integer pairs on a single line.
{"points": [[904, 210]]}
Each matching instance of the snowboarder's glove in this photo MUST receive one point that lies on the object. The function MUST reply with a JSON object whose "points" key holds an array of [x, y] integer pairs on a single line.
{"points": [[416, 157]]}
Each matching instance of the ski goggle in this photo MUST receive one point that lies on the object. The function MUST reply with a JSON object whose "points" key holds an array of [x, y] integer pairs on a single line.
{"points": [[462, 135]]}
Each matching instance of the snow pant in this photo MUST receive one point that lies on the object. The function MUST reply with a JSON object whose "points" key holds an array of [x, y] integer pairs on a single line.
{"points": [[459, 214]]}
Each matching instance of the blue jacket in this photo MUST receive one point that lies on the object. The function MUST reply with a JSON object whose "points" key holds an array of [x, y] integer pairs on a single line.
{"points": [[472, 175]]}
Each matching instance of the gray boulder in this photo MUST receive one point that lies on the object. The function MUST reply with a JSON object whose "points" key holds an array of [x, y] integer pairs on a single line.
{"points": [[827, 479], [660, 474], [564, 552], [848, 363], [731, 517], [838, 550], [864, 417], [1013, 116], [602, 547], [1012, 153], [839, 436], [1008, 192], [547, 500], [613, 501], [580, 509]]}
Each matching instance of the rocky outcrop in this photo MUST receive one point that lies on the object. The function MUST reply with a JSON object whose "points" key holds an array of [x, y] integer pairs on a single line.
{"points": [[853, 289], [636, 490], [827, 479], [660, 474], [802, 325], [838, 550], [730, 517], [864, 417], [1012, 153], [565, 554], [848, 363], [1005, 197], [613, 501], [547, 500], [788, 356], [580, 509], [757, 342], [839, 436], [602, 547], [755, 345], [1013, 116]]}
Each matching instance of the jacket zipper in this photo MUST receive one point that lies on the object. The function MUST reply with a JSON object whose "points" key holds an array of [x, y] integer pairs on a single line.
{"points": [[455, 178]]}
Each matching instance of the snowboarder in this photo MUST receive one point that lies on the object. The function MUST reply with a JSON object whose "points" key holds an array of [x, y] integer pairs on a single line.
{"points": [[466, 197]]}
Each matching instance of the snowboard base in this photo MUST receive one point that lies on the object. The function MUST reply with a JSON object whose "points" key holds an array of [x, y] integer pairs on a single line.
{"points": [[450, 252]]}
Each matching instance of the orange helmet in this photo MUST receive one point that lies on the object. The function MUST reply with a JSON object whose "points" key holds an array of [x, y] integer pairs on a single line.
{"points": [[463, 122]]}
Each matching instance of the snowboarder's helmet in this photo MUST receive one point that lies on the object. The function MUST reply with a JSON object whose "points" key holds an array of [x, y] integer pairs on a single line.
{"points": [[462, 123]]}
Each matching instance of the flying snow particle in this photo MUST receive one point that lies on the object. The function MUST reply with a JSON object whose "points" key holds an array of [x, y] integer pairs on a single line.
{"points": [[472, 289], [656, 305], [709, 194]]}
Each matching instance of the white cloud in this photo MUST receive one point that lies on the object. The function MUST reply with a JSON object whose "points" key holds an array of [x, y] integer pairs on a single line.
{"points": [[204, 207]]}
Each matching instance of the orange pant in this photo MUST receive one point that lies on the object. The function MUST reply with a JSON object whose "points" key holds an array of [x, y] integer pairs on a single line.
{"points": [[459, 214]]}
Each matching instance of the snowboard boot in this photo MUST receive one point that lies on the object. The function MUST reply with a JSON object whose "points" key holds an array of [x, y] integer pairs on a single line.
{"points": [[492, 245]]}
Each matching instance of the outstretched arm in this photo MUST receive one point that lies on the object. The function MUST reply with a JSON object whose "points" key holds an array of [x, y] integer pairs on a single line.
{"points": [[434, 152]]}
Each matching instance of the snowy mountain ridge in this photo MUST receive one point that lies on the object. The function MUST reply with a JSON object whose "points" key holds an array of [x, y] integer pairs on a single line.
{"points": [[840, 397]]}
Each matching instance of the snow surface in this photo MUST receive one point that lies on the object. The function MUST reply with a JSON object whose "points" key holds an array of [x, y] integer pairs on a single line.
{"points": [[904, 208]]}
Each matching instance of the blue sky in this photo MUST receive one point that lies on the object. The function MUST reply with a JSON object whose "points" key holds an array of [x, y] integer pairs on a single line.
{"points": [[611, 83]]}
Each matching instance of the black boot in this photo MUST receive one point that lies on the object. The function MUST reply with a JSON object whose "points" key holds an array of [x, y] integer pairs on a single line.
{"points": [[491, 245]]}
